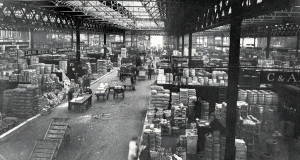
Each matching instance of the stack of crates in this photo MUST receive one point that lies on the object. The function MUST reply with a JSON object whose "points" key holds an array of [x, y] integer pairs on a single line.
{"points": [[102, 67], [179, 116]]}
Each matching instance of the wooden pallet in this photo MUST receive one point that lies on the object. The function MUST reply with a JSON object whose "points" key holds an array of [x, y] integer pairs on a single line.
{"points": [[44, 149], [47, 148], [57, 129]]}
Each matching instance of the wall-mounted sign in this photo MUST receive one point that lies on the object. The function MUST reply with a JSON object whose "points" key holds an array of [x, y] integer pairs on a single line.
{"points": [[279, 77]]}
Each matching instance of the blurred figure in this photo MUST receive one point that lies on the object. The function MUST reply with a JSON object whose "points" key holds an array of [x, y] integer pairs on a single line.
{"points": [[88, 90], [70, 96], [149, 71], [133, 149]]}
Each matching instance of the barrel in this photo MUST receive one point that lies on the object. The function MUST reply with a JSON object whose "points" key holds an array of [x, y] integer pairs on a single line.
{"points": [[260, 97], [268, 98], [181, 152], [189, 80], [201, 80], [252, 97], [242, 95], [42, 70], [205, 80], [272, 146], [274, 99], [48, 69], [259, 112], [192, 73], [185, 72]]}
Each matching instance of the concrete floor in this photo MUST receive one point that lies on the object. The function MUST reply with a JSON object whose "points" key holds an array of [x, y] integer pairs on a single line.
{"points": [[91, 139]]}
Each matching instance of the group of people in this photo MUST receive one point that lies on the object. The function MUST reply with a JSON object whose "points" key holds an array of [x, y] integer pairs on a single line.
{"points": [[73, 91]]}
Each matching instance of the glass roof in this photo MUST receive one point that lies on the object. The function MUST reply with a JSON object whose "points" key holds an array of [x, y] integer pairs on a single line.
{"points": [[127, 14]]}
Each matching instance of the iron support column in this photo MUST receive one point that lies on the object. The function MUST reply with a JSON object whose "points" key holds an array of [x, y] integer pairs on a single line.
{"points": [[72, 39], [233, 78], [222, 41], [182, 45], [190, 48], [177, 42], [268, 44], [131, 40], [297, 46], [124, 40], [136, 38], [88, 39], [214, 42], [31, 41], [77, 45], [99, 40], [104, 56]]}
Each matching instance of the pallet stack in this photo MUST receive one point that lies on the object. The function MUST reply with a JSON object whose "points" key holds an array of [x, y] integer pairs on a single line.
{"points": [[191, 106], [184, 96], [160, 97], [216, 149], [175, 98], [191, 141], [102, 67], [23, 102], [204, 110], [179, 116], [192, 92], [166, 129], [209, 144], [215, 146]]}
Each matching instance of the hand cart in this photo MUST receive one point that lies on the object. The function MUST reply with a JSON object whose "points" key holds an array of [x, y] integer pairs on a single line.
{"points": [[127, 84], [119, 90], [142, 73], [113, 84], [47, 148], [104, 95]]}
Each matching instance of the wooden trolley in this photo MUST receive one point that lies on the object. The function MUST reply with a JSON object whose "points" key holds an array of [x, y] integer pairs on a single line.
{"points": [[47, 148], [104, 95]]}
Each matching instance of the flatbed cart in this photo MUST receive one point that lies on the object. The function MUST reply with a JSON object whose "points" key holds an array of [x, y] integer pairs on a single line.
{"points": [[142, 73], [111, 86], [104, 95], [119, 90], [128, 84], [57, 133]]}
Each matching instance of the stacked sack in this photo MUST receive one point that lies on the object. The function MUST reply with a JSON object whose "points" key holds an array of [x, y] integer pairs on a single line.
{"points": [[204, 110], [160, 97], [191, 107], [152, 138], [179, 115], [23, 102], [184, 95], [209, 144]]}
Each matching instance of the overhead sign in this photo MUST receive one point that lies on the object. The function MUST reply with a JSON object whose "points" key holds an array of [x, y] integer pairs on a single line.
{"points": [[279, 77]]}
